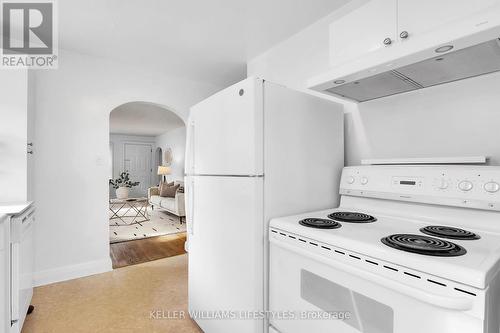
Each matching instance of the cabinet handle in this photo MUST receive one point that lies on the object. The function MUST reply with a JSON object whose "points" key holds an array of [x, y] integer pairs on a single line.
{"points": [[404, 34], [387, 41]]}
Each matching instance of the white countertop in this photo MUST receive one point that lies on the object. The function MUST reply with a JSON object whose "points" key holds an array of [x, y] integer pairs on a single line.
{"points": [[13, 208]]}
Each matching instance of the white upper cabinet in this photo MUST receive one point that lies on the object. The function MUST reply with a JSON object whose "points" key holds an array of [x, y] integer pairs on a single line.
{"points": [[362, 31], [419, 18]]}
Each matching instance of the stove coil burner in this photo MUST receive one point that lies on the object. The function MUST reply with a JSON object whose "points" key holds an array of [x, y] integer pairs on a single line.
{"points": [[424, 245], [320, 223], [449, 232], [352, 217]]}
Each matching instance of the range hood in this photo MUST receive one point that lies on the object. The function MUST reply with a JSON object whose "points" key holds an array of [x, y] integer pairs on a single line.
{"points": [[445, 66]]}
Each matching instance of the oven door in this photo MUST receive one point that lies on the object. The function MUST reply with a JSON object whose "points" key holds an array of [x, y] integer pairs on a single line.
{"points": [[317, 294]]}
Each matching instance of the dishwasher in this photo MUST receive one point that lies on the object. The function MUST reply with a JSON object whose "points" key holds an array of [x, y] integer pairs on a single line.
{"points": [[21, 267]]}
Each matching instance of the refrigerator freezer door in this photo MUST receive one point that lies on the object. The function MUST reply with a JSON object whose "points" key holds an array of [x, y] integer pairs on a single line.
{"points": [[225, 252], [225, 132]]}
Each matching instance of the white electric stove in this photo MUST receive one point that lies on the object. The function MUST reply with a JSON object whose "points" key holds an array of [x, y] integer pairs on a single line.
{"points": [[410, 249]]}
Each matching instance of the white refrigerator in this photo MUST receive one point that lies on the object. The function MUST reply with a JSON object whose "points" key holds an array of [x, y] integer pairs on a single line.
{"points": [[255, 150]]}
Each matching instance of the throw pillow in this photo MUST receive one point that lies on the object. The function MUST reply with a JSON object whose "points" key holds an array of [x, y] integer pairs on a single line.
{"points": [[162, 183], [168, 191]]}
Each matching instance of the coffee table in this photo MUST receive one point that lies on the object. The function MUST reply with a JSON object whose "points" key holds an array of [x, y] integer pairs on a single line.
{"points": [[135, 208]]}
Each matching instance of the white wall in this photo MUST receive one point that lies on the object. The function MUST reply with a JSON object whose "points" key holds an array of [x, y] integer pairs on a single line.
{"points": [[72, 163], [175, 140], [460, 118], [300, 57], [13, 135], [30, 136], [457, 119]]}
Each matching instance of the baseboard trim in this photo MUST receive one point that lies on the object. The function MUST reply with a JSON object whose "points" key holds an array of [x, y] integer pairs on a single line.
{"points": [[70, 272]]}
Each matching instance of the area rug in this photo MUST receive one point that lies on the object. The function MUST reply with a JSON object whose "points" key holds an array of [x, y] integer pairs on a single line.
{"points": [[160, 223]]}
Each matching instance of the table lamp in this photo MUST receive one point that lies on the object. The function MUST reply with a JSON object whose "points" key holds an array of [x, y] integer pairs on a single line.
{"points": [[163, 171]]}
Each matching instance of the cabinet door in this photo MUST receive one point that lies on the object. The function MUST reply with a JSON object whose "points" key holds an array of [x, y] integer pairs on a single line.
{"points": [[423, 17], [363, 31]]}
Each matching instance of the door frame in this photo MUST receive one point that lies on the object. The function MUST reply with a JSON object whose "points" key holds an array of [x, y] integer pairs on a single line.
{"points": [[138, 143]]}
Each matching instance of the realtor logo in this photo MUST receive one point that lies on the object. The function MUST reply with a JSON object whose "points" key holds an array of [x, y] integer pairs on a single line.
{"points": [[28, 34]]}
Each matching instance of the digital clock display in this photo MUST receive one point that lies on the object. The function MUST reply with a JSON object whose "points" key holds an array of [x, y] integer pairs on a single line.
{"points": [[407, 182]]}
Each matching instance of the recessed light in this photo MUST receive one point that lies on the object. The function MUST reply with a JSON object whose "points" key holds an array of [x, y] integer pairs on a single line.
{"points": [[443, 49], [339, 81]]}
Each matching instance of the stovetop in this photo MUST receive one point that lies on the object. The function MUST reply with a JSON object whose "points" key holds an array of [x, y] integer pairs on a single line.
{"points": [[472, 261], [415, 243]]}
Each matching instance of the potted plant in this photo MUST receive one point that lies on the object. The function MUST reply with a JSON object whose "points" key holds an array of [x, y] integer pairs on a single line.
{"points": [[122, 185]]}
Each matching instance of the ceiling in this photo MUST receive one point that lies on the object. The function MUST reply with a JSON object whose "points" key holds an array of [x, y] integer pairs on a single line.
{"points": [[142, 118], [205, 40]]}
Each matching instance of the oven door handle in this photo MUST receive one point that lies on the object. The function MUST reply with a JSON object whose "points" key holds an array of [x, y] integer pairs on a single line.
{"points": [[447, 302]]}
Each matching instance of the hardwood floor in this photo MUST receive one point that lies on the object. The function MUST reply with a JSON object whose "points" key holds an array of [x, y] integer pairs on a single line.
{"points": [[144, 250]]}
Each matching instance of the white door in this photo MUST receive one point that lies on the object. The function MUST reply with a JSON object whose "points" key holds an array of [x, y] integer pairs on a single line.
{"points": [[363, 31], [423, 17], [225, 132], [225, 244], [137, 161]]}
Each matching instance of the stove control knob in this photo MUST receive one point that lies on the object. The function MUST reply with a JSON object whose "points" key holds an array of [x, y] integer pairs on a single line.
{"points": [[465, 185], [491, 187], [350, 179], [364, 181], [442, 184]]}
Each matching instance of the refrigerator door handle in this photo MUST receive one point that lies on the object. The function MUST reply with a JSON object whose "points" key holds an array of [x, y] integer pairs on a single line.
{"points": [[189, 154], [191, 151], [190, 222]]}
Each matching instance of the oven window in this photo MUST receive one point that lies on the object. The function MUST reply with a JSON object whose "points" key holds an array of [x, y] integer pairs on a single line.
{"points": [[366, 314]]}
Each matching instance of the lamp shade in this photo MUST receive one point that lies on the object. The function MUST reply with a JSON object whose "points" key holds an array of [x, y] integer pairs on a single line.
{"points": [[164, 170]]}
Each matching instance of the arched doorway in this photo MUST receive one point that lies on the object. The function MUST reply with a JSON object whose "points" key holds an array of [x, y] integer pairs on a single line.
{"points": [[138, 138], [140, 135]]}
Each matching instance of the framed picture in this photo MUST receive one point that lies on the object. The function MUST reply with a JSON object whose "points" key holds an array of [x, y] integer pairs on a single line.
{"points": [[168, 157]]}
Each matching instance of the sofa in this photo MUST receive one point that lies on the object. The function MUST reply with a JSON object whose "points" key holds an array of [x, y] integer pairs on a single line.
{"points": [[175, 205]]}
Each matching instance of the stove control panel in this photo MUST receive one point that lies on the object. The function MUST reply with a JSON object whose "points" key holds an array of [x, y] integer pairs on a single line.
{"points": [[452, 185]]}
